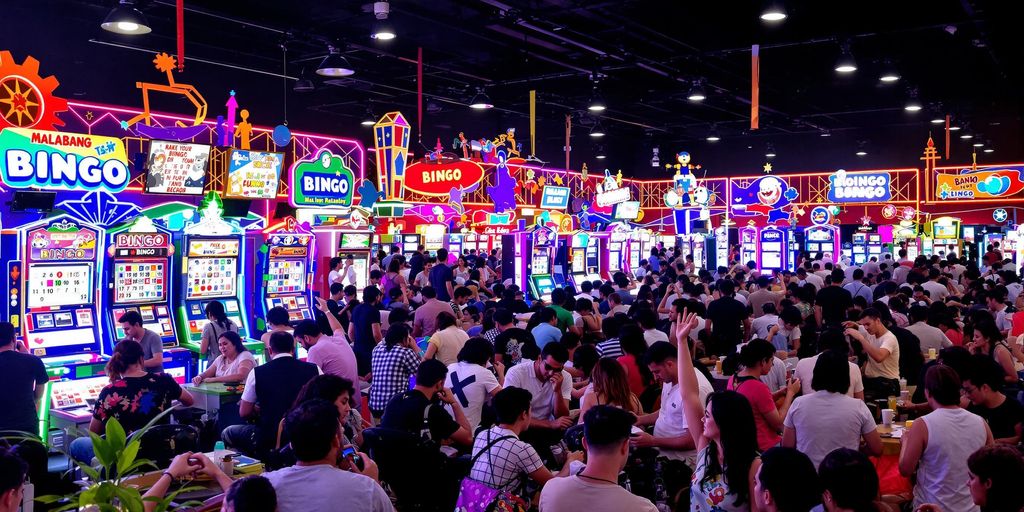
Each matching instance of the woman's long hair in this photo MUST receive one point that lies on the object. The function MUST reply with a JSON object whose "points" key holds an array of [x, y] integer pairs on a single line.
{"points": [[126, 353], [215, 309], [631, 338], [609, 379], [735, 420]]}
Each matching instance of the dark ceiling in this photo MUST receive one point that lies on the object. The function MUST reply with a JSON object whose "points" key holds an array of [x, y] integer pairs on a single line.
{"points": [[961, 57]]}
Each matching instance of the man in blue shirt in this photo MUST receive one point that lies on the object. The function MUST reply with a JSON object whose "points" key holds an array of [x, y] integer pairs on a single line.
{"points": [[654, 261], [546, 331], [442, 278]]}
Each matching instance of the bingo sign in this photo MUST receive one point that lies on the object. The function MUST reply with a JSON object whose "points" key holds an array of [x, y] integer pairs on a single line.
{"points": [[324, 181], [987, 183], [859, 187], [253, 174], [554, 198], [62, 161], [63, 240], [176, 168], [820, 215], [130, 244], [440, 179]]}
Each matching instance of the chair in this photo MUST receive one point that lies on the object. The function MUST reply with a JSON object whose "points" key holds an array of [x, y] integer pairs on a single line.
{"points": [[161, 443]]}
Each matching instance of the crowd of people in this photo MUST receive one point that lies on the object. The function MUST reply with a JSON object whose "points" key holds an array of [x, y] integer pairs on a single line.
{"points": [[671, 387]]}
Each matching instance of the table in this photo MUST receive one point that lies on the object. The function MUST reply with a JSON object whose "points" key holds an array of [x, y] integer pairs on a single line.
{"points": [[890, 445], [208, 487], [218, 401]]}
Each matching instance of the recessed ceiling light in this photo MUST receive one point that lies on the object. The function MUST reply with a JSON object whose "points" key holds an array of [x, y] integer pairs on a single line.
{"points": [[967, 136], [126, 19], [979, 144], [954, 128], [861, 152], [989, 150], [938, 120], [826, 133]]}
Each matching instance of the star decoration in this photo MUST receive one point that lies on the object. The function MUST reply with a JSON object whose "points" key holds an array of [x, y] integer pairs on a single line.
{"points": [[767, 167], [798, 211], [999, 215], [88, 115], [865, 220], [558, 180]]}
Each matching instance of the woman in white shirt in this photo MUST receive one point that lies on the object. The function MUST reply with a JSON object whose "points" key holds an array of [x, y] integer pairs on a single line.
{"points": [[232, 365], [446, 343]]}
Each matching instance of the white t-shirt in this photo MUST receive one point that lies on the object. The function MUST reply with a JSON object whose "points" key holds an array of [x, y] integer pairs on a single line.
{"points": [[471, 384], [816, 281], [653, 336], [332, 486], [671, 420], [930, 337], [762, 324], [825, 421], [776, 378], [805, 372], [890, 367], [580, 493], [333, 277], [935, 290], [523, 376], [350, 275]]}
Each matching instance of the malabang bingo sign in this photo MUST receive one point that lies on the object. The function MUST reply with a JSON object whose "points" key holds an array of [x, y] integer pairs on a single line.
{"points": [[861, 187], [64, 161]]}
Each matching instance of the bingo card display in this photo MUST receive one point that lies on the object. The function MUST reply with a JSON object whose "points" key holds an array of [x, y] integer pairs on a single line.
{"points": [[286, 276], [139, 282], [211, 277], [59, 285]]}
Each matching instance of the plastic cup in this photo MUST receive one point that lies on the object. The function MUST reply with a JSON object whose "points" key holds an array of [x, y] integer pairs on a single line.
{"points": [[887, 416]]}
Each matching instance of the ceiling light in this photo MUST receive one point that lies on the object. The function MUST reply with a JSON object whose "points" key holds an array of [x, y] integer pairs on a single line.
{"points": [[773, 11], [596, 103], [861, 148], [334, 64], [383, 31], [369, 119], [304, 84], [599, 152], [861, 152], [845, 63], [979, 144], [697, 91], [597, 130], [126, 19], [938, 120], [954, 128], [713, 135], [480, 101], [913, 105], [989, 150], [966, 136], [889, 72], [826, 133], [770, 153]]}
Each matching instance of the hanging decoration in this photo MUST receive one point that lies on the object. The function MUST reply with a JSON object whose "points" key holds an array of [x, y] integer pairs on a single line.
{"points": [[26, 99], [503, 191], [179, 11], [755, 85], [179, 132]]}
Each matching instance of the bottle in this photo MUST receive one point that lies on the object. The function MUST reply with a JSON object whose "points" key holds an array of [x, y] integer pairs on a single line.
{"points": [[219, 452]]}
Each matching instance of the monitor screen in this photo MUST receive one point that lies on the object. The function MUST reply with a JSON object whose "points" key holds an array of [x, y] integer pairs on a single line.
{"points": [[771, 247], [176, 168], [771, 260], [813, 247], [354, 241], [139, 281], [286, 276], [211, 277], [944, 231], [827, 247], [545, 284], [253, 174], [55, 285], [541, 263]]}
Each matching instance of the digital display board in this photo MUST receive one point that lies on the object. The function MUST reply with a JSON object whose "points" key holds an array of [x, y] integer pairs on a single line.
{"points": [[59, 285], [139, 282], [286, 276], [211, 277]]}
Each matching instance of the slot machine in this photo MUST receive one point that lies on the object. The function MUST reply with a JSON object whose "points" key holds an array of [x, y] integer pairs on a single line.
{"points": [[773, 248], [542, 256], [822, 238], [285, 266], [433, 237], [578, 270], [456, 245], [636, 242], [721, 247], [52, 267], [945, 237], [209, 259], [907, 237], [748, 244], [617, 241], [875, 246], [411, 242], [138, 278], [357, 243], [860, 248]]}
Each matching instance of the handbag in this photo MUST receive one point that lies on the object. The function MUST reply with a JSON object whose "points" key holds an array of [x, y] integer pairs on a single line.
{"points": [[477, 496]]}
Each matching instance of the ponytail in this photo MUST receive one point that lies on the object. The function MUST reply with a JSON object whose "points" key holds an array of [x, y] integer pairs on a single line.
{"points": [[216, 309], [126, 353]]}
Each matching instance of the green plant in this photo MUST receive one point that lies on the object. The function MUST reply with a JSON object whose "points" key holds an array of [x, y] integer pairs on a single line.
{"points": [[106, 491]]}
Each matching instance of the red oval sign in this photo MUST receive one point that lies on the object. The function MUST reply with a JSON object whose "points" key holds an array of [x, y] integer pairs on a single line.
{"points": [[439, 179]]}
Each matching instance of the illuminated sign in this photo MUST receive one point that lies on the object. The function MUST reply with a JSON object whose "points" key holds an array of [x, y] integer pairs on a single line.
{"points": [[253, 174], [554, 197], [771, 235], [176, 168], [859, 187], [628, 210], [767, 196], [820, 215], [63, 161], [439, 179], [63, 240], [988, 183], [324, 181], [613, 196]]}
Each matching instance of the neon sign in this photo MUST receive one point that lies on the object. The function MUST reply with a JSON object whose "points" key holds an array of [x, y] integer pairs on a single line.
{"points": [[990, 183], [323, 181], [859, 187], [439, 179], [62, 161], [554, 197]]}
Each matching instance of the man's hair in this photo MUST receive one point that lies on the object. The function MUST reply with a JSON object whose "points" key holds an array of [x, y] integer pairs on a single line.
{"points": [[510, 403], [351, 289], [461, 292], [307, 328], [858, 274], [12, 470], [919, 313], [477, 350], [586, 287], [335, 261], [442, 255], [429, 292], [768, 308], [556, 350], [983, 370], [838, 276], [647, 318], [660, 351], [430, 373], [605, 427], [251, 494], [614, 297], [831, 372], [790, 477], [131, 318], [851, 479], [337, 288], [872, 312], [558, 296], [7, 333], [546, 315], [282, 342], [376, 274], [370, 294], [726, 287], [503, 316], [943, 385], [312, 427]]}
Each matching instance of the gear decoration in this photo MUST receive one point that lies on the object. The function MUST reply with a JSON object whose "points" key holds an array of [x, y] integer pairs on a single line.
{"points": [[26, 99]]}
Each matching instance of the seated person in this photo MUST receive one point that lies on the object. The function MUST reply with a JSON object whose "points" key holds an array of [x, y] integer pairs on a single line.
{"points": [[272, 386], [13, 472], [500, 459], [134, 396], [314, 428], [187, 464], [405, 411], [338, 391], [551, 388], [152, 345], [232, 365], [277, 321], [250, 494], [786, 481], [983, 385], [606, 432]]}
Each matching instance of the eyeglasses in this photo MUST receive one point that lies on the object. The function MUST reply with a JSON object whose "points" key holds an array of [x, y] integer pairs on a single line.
{"points": [[550, 368]]}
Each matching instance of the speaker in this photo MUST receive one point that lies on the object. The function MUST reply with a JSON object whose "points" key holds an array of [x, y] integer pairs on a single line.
{"points": [[236, 207], [33, 201]]}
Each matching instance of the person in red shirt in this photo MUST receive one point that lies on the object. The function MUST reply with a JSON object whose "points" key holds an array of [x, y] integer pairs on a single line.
{"points": [[756, 359]]}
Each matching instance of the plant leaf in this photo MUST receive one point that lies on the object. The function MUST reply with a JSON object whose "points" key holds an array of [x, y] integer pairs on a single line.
{"points": [[130, 498], [115, 435], [127, 458], [90, 472], [49, 498], [100, 450]]}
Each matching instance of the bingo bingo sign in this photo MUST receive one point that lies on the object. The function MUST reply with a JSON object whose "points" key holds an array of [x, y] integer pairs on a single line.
{"points": [[62, 240], [141, 245], [253, 174], [323, 181], [176, 168], [859, 187], [554, 198], [62, 161]]}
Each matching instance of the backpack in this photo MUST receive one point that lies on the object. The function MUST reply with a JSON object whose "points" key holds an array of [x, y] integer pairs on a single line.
{"points": [[477, 496]]}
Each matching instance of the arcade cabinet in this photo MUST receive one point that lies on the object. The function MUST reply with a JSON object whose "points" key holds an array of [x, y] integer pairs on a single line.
{"points": [[696, 244], [617, 241], [209, 260], [773, 249], [433, 236], [137, 277], [357, 243], [585, 258], [52, 267], [748, 244], [875, 246], [409, 244], [530, 260], [945, 237], [455, 244], [721, 247], [906, 236], [823, 238], [285, 267], [481, 243], [860, 248]]}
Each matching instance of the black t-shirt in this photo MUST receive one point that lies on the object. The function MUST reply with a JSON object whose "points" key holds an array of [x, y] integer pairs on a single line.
{"points": [[834, 302], [512, 343], [405, 412], [1002, 419], [727, 315], [134, 401], [440, 275], [21, 374], [363, 317]]}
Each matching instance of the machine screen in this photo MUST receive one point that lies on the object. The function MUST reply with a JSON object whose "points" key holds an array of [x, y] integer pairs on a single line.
{"points": [[68, 394], [355, 241], [47, 340], [813, 247], [940, 231], [541, 263], [818, 235], [771, 247], [286, 276], [211, 277], [827, 247], [544, 284], [59, 285], [139, 282], [578, 264], [771, 259]]}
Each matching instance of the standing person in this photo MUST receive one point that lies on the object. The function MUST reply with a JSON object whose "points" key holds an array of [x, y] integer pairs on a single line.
{"points": [[442, 278], [757, 358], [386, 261], [152, 345], [724, 436], [335, 275], [938, 445], [858, 287], [835, 340], [25, 381], [606, 431], [729, 320], [882, 371], [332, 354], [472, 383], [348, 272], [364, 330], [564, 316], [394, 362], [763, 295], [425, 317], [417, 262], [832, 301], [217, 324], [447, 341]]}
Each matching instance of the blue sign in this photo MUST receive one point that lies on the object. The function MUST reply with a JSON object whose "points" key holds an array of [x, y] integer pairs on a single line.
{"points": [[859, 187], [999, 215], [767, 196], [820, 215], [554, 198]]}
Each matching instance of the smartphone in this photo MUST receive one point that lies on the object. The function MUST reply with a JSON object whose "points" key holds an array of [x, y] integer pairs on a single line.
{"points": [[350, 453]]}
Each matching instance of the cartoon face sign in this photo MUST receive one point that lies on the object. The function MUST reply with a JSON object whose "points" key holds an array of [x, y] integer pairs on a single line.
{"points": [[769, 191], [701, 196], [39, 241], [683, 158]]}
